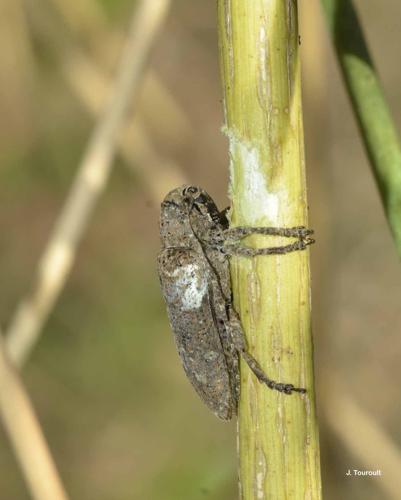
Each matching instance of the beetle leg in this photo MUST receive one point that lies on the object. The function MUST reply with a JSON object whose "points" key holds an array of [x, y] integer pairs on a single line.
{"points": [[239, 232], [239, 342], [242, 251]]}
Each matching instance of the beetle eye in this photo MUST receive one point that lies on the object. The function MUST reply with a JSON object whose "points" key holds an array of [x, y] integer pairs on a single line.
{"points": [[192, 190]]}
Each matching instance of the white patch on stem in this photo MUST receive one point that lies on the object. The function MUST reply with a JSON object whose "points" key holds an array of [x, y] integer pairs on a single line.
{"points": [[256, 202], [261, 471]]}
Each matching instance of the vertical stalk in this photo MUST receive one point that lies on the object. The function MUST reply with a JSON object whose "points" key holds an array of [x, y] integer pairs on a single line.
{"points": [[371, 110], [278, 433]]}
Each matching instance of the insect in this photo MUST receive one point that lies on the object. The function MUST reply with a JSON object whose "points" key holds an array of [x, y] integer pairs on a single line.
{"points": [[193, 267]]}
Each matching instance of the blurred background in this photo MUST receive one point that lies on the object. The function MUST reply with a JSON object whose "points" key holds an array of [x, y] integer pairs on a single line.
{"points": [[122, 421]]}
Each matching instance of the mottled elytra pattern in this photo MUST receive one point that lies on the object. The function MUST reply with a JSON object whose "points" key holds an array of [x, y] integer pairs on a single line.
{"points": [[195, 280]]}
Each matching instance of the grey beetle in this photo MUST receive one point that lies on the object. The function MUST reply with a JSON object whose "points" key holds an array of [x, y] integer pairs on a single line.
{"points": [[194, 274]]}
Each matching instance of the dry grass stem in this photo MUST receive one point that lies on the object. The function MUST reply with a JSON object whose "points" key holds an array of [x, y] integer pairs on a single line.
{"points": [[88, 185], [161, 108], [158, 174], [26, 436]]}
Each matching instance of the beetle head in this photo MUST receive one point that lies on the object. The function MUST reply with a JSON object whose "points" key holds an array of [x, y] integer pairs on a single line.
{"points": [[185, 209]]}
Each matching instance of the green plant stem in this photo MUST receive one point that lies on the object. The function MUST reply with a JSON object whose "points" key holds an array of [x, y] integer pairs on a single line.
{"points": [[278, 433], [369, 104]]}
